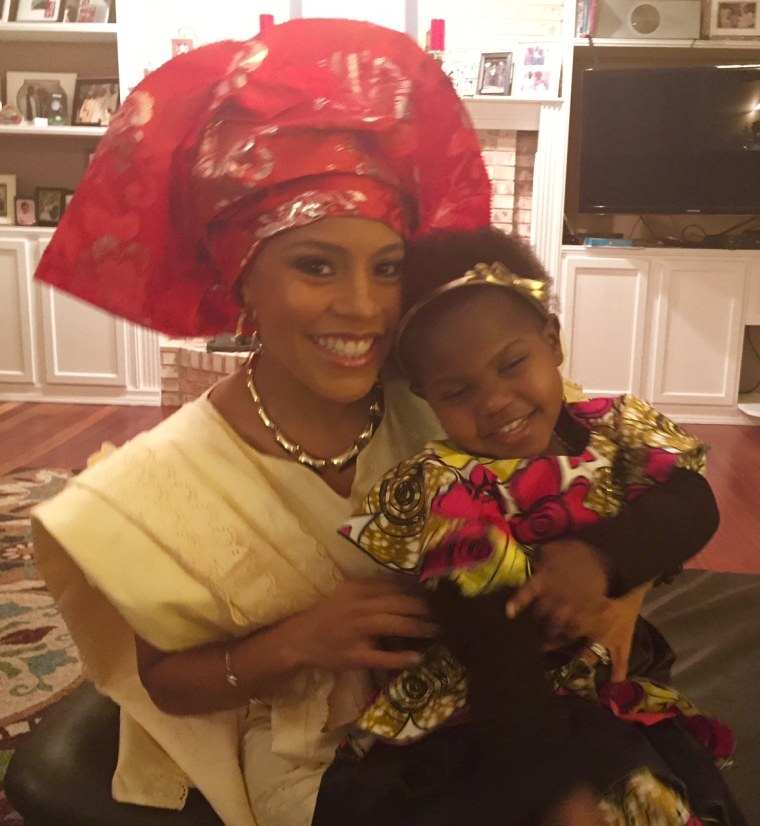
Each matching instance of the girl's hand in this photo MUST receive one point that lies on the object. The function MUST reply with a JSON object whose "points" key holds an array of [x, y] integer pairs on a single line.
{"points": [[346, 629], [567, 589]]}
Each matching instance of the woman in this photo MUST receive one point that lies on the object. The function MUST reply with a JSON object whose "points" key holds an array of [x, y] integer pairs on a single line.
{"points": [[199, 567]]}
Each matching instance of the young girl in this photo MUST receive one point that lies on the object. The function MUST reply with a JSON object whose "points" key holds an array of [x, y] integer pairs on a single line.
{"points": [[584, 501]]}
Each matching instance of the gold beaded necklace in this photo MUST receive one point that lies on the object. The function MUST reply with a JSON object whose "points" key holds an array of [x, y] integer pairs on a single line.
{"points": [[319, 464]]}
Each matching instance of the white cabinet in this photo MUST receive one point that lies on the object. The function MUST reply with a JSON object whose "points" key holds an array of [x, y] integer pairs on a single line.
{"points": [[696, 331], [17, 356], [666, 325], [54, 347], [604, 306]]}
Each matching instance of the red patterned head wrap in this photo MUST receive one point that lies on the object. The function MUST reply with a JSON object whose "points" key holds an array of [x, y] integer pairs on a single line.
{"points": [[234, 142]]}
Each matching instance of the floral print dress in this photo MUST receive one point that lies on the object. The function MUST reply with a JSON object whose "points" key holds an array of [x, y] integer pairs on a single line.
{"points": [[478, 522]]}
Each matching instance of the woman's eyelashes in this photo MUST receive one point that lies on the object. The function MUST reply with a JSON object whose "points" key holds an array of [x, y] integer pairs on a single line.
{"points": [[321, 267], [389, 270], [316, 266]]}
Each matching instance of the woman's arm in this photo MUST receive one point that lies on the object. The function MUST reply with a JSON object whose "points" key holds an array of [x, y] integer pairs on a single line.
{"points": [[340, 632]]}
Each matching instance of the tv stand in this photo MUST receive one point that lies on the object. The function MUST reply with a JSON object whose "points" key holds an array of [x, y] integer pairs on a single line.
{"points": [[666, 324]]}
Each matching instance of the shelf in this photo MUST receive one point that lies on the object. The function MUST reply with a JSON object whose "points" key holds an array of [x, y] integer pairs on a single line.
{"points": [[522, 114], [749, 403], [59, 32], [53, 131], [684, 43]]}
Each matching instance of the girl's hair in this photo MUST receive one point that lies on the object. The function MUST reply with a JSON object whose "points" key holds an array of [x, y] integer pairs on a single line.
{"points": [[445, 255]]}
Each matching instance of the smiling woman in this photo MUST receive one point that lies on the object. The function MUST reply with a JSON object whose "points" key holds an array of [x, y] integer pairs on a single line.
{"points": [[240, 197]]}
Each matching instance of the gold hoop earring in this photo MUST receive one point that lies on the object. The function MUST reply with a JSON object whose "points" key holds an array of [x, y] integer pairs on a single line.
{"points": [[246, 321]]}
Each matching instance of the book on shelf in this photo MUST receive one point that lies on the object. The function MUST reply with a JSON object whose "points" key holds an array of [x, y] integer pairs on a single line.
{"points": [[585, 17]]}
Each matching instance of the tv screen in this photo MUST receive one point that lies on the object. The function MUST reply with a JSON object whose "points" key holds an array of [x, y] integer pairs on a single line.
{"points": [[670, 140]]}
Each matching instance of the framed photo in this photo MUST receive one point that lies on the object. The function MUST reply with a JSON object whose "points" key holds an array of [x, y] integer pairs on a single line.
{"points": [[42, 94], [70, 11], [49, 203], [182, 45], [495, 75], [93, 12], [537, 70], [461, 67], [732, 19], [7, 199], [25, 212], [69, 194], [38, 11], [96, 100]]}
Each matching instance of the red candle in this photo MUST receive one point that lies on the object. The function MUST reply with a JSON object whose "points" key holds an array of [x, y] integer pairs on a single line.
{"points": [[266, 21], [437, 35]]}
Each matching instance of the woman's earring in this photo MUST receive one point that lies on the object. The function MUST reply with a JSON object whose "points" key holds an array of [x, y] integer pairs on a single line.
{"points": [[245, 320]]}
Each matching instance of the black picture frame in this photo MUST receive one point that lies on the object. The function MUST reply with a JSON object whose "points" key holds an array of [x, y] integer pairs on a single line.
{"points": [[49, 203], [495, 74], [96, 100]]}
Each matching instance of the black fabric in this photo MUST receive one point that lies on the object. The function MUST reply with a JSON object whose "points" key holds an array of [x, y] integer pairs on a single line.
{"points": [[658, 531], [712, 621], [446, 779], [60, 775], [525, 747]]}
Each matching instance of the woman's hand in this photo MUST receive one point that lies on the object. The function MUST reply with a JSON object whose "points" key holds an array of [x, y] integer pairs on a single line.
{"points": [[567, 589], [347, 629], [340, 632], [614, 629]]}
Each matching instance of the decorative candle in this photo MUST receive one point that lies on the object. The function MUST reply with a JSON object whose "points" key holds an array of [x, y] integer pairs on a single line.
{"points": [[266, 21], [437, 35]]}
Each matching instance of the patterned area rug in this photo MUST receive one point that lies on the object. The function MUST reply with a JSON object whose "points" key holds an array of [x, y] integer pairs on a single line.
{"points": [[39, 663]]}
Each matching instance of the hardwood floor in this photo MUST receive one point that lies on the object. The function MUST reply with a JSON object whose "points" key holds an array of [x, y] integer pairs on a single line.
{"points": [[733, 468], [64, 435]]}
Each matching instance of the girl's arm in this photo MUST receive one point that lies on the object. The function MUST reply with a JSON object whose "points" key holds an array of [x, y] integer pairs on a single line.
{"points": [[657, 532], [340, 632]]}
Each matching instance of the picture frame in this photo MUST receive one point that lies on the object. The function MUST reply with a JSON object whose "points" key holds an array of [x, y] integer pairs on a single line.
{"points": [[495, 73], [93, 12], [26, 213], [96, 100], [32, 93], [70, 11], [182, 45], [49, 204], [461, 67], [729, 20], [7, 199], [537, 70], [38, 11]]}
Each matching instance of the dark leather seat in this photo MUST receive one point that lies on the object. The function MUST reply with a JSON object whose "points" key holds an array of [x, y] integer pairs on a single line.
{"points": [[60, 775]]}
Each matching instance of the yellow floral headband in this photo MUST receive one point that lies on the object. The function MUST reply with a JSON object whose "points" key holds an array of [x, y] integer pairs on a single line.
{"points": [[497, 274]]}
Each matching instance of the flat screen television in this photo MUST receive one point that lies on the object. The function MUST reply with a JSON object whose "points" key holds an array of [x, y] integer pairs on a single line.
{"points": [[670, 140]]}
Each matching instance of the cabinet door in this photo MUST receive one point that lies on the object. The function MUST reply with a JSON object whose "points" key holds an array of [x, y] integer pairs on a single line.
{"points": [[604, 300], [83, 345], [697, 332], [17, 359]]}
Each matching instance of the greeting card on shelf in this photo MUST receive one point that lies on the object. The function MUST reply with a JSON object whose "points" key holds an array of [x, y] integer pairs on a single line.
{"points": [[537, 69]]}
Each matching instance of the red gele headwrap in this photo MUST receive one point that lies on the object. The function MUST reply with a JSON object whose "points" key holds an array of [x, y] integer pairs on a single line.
{"points": [[227, 145]]}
